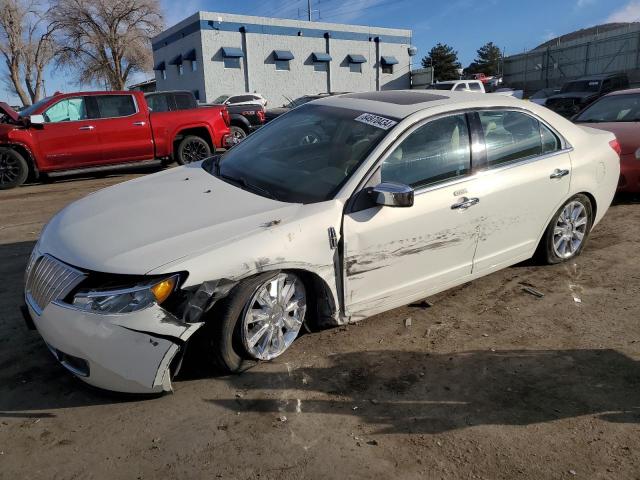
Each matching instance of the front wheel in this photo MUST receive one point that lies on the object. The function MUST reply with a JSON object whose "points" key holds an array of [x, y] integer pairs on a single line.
{"points": [[14, 169], [259, 320], [192, 149], [567, 233]]}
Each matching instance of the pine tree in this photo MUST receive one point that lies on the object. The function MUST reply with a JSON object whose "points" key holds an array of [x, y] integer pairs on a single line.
{"points": [[488, 59], [444, 60]]}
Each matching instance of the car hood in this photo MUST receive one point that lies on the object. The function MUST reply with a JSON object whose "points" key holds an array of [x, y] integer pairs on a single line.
{"points": [[9, 112], [627, 133], [140, 225]]}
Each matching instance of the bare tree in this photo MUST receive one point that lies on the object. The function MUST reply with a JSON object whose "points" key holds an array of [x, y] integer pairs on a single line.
{"points": [[107, 40], [27, 45]]}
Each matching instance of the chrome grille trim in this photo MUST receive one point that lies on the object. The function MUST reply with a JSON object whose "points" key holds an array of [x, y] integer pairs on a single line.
{"points": [[48, 279]]}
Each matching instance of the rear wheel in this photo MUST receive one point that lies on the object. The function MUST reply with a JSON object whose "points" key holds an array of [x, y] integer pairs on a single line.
{"points": [[567, 233], [192, 149], [238, 133], [259, 320], [14, 169]]}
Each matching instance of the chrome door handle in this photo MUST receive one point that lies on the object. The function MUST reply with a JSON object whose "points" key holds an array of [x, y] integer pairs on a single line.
{"points": [[87, 127], [557, 173], [139, 124], [465, 203]]}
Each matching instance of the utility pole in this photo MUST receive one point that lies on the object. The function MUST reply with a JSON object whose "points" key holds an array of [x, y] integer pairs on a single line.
{"points": [[309, 9]]}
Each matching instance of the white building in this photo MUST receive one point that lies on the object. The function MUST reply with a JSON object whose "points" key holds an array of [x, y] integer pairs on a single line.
{"points": [[217, 53]]}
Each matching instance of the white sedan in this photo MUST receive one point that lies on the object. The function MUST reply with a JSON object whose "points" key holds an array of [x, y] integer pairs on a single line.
{"points": [[340, 209]]}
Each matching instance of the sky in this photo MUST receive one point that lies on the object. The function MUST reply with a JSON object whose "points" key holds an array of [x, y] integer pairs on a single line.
{"points": [[514, 25]]}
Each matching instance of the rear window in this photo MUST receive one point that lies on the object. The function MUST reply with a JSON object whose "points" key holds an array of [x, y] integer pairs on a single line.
{"points": [[111, 106], [241, 98], [441, 86], [616, 108], [158, 103], [184, 101]]}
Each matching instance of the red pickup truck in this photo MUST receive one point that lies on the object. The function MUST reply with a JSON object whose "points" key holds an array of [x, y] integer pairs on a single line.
{"points": [[98, 131]]}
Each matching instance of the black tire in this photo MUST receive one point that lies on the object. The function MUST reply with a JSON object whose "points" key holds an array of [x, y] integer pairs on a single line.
{"points": [[192, 149], [14, 169], [547, 253], [238, 133]]}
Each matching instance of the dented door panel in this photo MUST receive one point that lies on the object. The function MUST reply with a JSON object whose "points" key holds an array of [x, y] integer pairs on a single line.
{"points": [[393, 253]]}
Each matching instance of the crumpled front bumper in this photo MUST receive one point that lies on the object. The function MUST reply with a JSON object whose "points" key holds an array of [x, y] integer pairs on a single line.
{"points": [[124, 352]]}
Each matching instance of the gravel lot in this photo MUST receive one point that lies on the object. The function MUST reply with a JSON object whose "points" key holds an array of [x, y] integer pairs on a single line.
{"points": [[487, 382]]}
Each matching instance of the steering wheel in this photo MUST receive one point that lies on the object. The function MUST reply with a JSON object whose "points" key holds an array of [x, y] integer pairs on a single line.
{"points": [[310, 139]]}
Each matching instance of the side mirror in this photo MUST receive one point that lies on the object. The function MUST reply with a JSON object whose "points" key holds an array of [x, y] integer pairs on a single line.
{"points": [[392, 195], [36, 120]]}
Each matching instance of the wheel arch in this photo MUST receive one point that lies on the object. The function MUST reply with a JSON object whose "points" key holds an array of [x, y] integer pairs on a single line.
{"points": [[198, 131]]}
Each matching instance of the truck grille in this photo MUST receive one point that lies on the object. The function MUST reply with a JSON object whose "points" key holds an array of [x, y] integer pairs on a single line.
{"points": [[48, 279]]}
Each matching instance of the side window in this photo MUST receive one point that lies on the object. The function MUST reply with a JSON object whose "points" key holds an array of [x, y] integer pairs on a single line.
{"points": [[184, 101], [461, 87], [550, 142], [434, 152], [510, 136], [474, 87], [158, 103], [231, 62], [67, 110], [111, 106]]}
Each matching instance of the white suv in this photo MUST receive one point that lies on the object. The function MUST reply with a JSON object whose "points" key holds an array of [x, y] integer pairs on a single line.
{"points": [[459, 86]]}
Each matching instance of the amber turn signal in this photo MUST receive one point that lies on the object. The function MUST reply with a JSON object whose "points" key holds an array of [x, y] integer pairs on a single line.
{"points": [[163, 289]]}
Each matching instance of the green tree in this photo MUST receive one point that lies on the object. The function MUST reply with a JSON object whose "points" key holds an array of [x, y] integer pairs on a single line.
{"points": [[488, 60], [444, 60]]}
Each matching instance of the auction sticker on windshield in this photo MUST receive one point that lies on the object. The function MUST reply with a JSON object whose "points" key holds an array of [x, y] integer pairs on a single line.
{"points": [[376, 121]]}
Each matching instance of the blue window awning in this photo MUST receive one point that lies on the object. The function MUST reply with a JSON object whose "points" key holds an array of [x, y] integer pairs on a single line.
{"points": [[176, 61], [161, 66], [321, 57], [388, 60], [282, 55], [190, 55], [355, 58], [232, 52]]}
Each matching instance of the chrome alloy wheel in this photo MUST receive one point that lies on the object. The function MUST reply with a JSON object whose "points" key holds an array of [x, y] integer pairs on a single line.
{"points": [[570, 229], [273, 316]]}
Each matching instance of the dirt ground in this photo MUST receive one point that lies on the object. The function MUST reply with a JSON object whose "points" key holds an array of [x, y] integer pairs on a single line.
{"points": [[489, 382]]}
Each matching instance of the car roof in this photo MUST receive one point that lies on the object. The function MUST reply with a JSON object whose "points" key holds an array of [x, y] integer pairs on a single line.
{"points": [[624, 92], [402, 103]]}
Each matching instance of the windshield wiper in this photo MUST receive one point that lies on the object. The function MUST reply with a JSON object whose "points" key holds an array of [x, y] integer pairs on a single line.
{"points": [[247, 185]]}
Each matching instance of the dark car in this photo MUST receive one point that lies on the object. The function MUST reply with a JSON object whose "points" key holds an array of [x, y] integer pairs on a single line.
{"points": [[244, 118], [577, 94], [272, 113]]}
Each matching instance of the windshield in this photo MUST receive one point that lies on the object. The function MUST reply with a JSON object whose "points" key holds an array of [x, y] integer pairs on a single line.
{"points": [[28, 111], [220, 99], [304, 156], [440, 86], [581, 86], [616, 108]]}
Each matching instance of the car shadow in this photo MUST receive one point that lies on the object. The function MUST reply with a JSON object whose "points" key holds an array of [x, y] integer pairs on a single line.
{"points": [[418, 392]]}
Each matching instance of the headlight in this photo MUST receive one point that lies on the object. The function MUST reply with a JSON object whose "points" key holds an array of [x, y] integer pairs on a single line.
{"points": [[126, 300]]}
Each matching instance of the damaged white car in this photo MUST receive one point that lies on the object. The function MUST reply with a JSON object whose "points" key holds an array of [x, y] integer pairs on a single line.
{"points": [[343, 208]]}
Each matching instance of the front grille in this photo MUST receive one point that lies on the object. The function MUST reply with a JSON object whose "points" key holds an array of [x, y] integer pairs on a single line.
{"points": [[49, 279]]}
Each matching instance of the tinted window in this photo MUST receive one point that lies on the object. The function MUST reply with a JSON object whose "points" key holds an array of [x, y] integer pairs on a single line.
{"points": [[184, 101], [355, 67], [67, 110], [240, 98], [305, 155], [550, 142], [441, 86], [320, 66], [616, 108], [282, 64], [111, 106], [436, 151], [460, 87], [475, 87], [510, 136], [158, 103], [581, 86]]}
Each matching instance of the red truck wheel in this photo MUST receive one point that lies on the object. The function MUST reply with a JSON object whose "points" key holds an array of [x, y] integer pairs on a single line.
{"points": [[192, 149], [13, 169]]}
